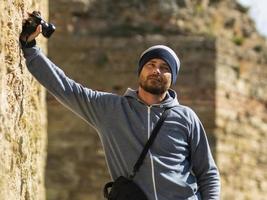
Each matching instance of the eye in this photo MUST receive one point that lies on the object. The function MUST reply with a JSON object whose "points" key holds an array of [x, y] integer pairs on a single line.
{"points": [[150, 64], [165, 68]]}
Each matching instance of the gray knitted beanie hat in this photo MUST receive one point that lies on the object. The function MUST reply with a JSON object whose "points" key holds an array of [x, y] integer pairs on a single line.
{"points": [[162, 52]]}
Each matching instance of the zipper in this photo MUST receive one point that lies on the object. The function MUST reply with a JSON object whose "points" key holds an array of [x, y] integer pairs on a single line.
{"points": [[150, 155]]}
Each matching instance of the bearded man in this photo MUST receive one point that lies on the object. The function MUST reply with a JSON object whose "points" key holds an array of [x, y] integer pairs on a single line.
{"points": [[179, 164]]}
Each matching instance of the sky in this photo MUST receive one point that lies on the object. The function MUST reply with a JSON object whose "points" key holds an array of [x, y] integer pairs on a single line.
{"points": [[258, 12]]}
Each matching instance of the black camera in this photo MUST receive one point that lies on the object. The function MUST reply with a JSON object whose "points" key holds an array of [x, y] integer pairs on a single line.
{"points": [[33, 21]]}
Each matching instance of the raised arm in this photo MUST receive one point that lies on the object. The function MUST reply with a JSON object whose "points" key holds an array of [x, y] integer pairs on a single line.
{"points": [[88, 104]]}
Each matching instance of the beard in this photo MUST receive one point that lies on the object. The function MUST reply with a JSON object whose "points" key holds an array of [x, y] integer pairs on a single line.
{"points": [[154, 84]]}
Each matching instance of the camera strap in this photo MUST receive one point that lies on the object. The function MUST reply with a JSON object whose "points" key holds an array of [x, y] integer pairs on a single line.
{"points": [[150, 141]]}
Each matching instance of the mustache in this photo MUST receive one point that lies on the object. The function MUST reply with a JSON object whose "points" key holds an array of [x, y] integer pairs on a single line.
{"points": [[158, 78]]}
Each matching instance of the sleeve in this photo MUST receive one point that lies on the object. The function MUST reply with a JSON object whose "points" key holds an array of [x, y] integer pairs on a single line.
{"points": [[203, 165], [90, 105]]}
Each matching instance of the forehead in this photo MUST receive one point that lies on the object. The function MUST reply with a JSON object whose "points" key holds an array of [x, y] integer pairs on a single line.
{"points": [[157, 60]]}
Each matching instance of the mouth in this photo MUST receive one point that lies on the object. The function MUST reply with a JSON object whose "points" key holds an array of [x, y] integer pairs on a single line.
{"points": [[154, 78]]}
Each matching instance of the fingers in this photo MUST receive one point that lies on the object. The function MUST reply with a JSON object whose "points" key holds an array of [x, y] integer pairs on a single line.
{"points": [[33, 35], [36, 33], [29, 28]]}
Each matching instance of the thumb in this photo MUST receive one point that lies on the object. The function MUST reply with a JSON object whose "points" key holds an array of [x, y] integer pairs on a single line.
{"points": [[35, 34]]}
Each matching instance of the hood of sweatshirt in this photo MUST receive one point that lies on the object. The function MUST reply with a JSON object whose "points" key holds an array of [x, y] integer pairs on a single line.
{"points": [[169, 101]]}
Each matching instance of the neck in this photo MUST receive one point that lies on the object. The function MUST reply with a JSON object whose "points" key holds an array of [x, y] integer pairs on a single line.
{"points": [[149, 98]]}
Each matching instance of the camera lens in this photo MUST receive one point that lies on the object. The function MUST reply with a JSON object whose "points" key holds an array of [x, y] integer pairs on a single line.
{"points": [[47, 29]]}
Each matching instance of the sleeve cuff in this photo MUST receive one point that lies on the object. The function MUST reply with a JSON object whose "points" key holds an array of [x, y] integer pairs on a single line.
{"points": [[31, 53]]}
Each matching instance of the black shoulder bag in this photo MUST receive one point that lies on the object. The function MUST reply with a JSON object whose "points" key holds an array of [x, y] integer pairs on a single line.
{"points": [[124, 188]]}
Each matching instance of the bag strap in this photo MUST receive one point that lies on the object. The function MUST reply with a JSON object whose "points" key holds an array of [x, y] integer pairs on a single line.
{"points": [[148, 144]]}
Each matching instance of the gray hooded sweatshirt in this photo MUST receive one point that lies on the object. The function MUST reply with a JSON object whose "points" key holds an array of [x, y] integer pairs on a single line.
{"points": [[178, 166]]}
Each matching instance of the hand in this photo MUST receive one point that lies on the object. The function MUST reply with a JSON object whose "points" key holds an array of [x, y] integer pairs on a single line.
{"points": [[31, 37], [30, 27]]}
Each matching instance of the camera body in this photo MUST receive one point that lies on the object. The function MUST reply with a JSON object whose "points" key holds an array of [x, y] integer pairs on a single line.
{"points": [[33, 21]]}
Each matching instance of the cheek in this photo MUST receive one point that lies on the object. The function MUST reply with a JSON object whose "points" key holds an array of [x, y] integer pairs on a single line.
{"points": [[141, 78], [143, 75], [168, 79]]}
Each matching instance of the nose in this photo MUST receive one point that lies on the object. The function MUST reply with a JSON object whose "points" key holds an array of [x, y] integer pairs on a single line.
{"points": [[156, 70]]}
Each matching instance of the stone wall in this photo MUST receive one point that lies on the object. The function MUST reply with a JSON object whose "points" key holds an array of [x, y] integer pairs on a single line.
{"points": [[222, 78], [241, 119], [22, 111]]}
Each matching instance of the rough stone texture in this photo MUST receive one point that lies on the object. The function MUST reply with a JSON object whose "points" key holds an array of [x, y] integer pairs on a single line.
{"points": [[223, 78], [22, 111], [241, 120], [241, 111]]}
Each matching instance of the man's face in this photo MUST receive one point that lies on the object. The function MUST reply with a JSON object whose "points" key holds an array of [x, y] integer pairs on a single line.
{"points": [[155, 76]]}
